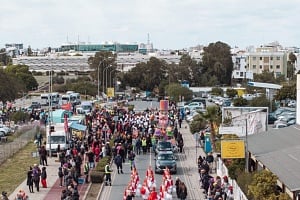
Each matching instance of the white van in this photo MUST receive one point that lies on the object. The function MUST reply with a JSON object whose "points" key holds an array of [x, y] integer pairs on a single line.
{"points": [[57, 137]]}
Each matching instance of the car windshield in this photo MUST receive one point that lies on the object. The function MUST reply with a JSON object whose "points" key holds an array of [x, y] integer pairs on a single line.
{"points": [[58, 139], [165, 157], [165, 145]]}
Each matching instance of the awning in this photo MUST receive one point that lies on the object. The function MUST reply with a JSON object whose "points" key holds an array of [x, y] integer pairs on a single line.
{"points": [[77, 126]]}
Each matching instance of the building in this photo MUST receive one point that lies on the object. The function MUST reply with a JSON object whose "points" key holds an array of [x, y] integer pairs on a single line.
{"points": [[271, 58], [54, 63], [114, 47], [240, 70], [267, 59]]}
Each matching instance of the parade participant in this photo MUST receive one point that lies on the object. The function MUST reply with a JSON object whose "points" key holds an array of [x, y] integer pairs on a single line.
{"points": [[149, 172], [153, 194], [107, 174], [145, 190]]}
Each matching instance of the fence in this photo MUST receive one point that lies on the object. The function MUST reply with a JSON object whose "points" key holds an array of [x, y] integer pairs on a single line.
{"points": [[7, 149], [223, 171]]}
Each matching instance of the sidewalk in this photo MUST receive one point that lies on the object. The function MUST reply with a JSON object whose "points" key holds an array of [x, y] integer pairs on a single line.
{"points": [[190, 168], [53, 191]]}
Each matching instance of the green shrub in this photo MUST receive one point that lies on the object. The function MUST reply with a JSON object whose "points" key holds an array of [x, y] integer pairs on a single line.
{"points": [[97, 176], [101, 164]]}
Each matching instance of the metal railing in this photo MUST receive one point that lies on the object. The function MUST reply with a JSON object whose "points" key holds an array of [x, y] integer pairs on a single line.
{"points": [[8, 149]]}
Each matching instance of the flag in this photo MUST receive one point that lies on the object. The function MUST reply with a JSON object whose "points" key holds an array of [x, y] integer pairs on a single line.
{"points": [[66, 106], [66, 123]]}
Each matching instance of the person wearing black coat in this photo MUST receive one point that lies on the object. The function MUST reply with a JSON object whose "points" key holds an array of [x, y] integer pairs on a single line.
{"points": [[30, 179]]}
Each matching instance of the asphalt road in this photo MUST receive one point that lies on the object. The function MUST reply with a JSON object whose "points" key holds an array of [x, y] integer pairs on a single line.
{"points": [[120, 181], [140, 106]]}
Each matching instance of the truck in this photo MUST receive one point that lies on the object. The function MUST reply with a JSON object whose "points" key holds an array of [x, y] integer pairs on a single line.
{"points": [[56, 134], [87, 106]]}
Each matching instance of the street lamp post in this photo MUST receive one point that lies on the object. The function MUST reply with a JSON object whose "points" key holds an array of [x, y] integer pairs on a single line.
{"points": [[110, 81], [104, 72]]}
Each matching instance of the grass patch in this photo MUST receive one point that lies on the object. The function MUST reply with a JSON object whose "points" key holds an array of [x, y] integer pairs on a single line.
{"points": [[93, 191], [14, 170]]}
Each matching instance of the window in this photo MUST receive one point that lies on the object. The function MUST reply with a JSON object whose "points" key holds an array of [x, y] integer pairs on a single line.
{"points": [[277, 66], [254, 66], [254, 58], [271, 66], [260, 66], [271, 58], [278, 58], [241, 74], [260, 58]]}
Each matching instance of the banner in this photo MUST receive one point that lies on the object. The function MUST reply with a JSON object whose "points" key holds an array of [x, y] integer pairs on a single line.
{"points": [[110, 92], [232, 149]]}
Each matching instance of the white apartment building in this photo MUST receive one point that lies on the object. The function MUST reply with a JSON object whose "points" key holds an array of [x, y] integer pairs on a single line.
{"points": [[240, 70]]}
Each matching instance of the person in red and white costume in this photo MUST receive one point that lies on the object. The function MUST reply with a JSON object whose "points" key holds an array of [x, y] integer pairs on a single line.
{"points": [[153, 195], [144, 190]]}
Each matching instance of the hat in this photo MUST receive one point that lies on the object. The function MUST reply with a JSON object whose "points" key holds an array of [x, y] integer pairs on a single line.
{"points": [[35, 165]]}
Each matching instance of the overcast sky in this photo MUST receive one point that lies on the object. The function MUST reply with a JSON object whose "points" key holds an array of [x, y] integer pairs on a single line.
{"points": [[171, 24]]}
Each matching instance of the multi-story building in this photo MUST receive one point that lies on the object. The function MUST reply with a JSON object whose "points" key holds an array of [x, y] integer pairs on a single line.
{"points": [[54, 63], [240, 70], [267, 59]]}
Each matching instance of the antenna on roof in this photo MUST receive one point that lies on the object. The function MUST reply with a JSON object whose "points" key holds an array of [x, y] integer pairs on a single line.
{"points": [[148, 39]]}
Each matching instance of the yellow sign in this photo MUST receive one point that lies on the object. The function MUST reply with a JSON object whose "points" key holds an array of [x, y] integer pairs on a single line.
{"points": [[110, 92], [233, 149]]}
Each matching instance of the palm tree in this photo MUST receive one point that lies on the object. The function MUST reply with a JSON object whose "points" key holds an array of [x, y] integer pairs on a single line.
{"points": [[212, 116]]}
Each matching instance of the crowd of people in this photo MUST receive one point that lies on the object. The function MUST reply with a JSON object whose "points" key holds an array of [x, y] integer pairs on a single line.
{"points": [[148, 190], [215, 188]]}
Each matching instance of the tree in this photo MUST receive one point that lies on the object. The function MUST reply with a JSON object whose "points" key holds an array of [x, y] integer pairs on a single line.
{"points": [[263, 185], [291, 66], [231, 92], [217, 61], [260, 101], [213, 117], [146, 76], [240, 101], [217, 91], [4, 58], [10, 87], [197, 124], [99, 62], [286, 92], [175, 91], [22, 73]]}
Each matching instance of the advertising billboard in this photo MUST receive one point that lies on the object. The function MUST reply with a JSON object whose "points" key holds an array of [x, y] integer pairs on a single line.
{"points": [[252, 119], [232, 149]]}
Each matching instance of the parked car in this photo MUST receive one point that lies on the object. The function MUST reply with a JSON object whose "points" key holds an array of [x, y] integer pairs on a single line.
{"points": [[292, 103], [271, 118], [165, 159], [280, 125], [194, 105]]}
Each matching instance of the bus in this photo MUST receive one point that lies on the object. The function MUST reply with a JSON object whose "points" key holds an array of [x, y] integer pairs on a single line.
{"points": [[45, 98], [75, 98], [65, 98]]}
